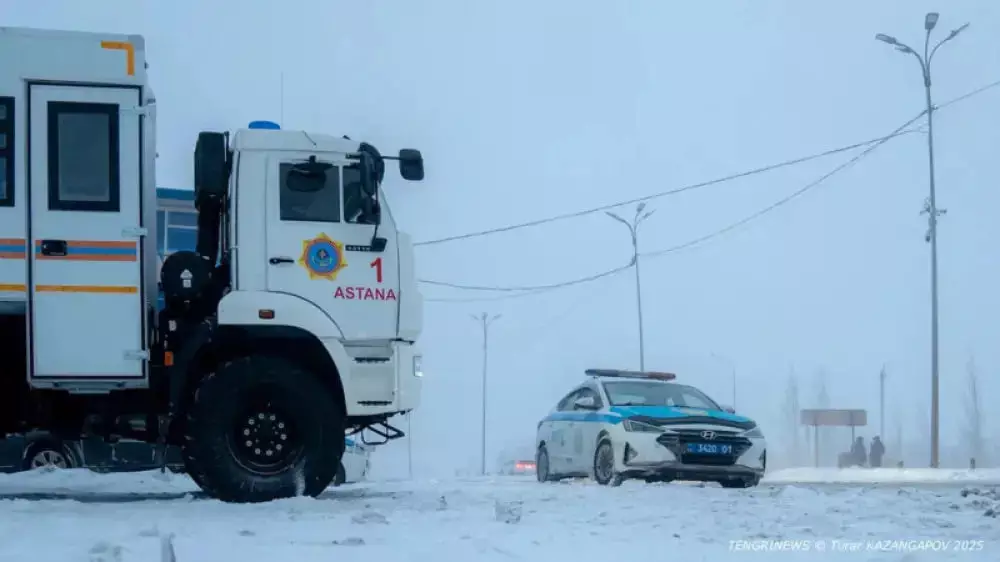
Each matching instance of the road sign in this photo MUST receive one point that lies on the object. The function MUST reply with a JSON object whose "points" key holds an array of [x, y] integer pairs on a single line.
{"points": [[834, 418]]}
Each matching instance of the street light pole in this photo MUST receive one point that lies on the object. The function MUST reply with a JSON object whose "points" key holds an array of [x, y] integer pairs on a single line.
{"points": [[484, 319], [633, 229], [732, 368], [930, 208]]}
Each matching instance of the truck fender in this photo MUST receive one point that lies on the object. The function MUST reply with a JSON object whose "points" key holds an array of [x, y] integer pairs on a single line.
{"points": [[242, 308]]}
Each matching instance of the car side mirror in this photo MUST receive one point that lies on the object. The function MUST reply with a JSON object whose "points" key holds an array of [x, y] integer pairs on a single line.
{"points": [[729, 409], [585, 403]]}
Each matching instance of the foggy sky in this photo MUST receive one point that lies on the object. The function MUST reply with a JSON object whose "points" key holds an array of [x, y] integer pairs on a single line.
{"points": [[530, 109]]}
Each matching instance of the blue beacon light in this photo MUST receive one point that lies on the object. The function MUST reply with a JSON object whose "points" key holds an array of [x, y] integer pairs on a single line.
{"points": [[269, 125]]}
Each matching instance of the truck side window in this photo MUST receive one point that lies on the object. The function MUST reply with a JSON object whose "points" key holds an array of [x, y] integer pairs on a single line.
{"points": [[301, 199], [6, 152], [83, 157], [354, 197]]}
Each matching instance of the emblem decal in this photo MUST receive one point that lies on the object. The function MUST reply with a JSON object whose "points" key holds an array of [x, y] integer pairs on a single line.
{"points": [[322, 257], [708, 435]]}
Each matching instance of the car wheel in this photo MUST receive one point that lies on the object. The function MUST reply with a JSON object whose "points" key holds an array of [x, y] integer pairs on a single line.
{"points": [[47, 453], [604, 465], [542, 465]]}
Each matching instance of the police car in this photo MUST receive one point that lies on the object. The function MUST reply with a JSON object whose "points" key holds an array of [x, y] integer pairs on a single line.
{"points": [[626, 424]]}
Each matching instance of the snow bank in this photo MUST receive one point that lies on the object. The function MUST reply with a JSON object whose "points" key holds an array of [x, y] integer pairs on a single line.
{"points": [[882, 476], [82, 481], [495, 519]]}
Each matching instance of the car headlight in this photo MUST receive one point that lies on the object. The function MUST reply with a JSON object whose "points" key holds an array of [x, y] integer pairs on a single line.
{"points": [[754, 433], [418, 366], [632, 425]]}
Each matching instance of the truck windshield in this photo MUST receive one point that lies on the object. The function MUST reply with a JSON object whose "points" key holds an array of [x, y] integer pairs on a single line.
{"points": [[643, 393]]}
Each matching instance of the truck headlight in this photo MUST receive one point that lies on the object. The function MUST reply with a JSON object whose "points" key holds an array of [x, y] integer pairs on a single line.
{"points": [[632, 425], [418, 367]]}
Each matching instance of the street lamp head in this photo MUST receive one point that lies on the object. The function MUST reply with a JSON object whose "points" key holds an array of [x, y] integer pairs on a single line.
{"points": [[903, 49], [886, 39], [930, 20], [641, 206], [955, 32]]}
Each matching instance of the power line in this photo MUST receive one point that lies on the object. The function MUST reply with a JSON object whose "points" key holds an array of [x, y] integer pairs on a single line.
{"points": [[783, 200], [700, 185], [531, 290], [701, 239]]}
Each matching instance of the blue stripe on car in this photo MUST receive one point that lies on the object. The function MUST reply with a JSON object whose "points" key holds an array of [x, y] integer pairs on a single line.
{"points": [[667, 412], [601, 417], [618, 413]]}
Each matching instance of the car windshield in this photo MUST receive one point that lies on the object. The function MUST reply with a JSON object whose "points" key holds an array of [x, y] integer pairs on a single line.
{"points": [[643, 393]]}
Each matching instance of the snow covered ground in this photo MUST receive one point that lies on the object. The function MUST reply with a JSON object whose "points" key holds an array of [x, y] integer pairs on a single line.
{"points": [[78, 515], [894, 476]]}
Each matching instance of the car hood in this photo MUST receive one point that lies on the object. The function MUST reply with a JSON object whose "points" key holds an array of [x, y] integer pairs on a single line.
{"points": [[677, 415]]}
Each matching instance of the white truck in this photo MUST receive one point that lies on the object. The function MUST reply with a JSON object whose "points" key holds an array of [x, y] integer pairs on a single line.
{"points": [[294, 322]]}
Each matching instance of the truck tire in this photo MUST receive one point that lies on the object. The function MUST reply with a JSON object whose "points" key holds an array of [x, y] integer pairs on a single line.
{"points": [[261, 428]]}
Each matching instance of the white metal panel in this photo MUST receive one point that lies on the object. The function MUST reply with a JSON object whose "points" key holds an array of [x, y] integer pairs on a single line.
{"points": [[87, 310]]}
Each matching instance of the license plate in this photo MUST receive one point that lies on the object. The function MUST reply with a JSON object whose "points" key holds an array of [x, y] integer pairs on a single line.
{"points": [[710, 448]]}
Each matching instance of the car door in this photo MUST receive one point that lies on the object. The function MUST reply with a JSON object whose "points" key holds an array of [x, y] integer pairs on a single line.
{"points": [[585, 430], [561, 425]]}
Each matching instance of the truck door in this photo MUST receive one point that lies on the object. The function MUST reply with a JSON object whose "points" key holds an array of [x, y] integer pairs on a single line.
{"points": [[318, 253], [85, 275]]}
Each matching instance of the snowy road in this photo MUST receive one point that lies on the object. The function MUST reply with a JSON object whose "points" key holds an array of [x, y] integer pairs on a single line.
{"points": [[121, 517]]}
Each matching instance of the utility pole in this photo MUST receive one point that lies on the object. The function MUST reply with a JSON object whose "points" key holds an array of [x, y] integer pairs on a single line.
{"points": [[633, 228], [732, 369], [881, 403], [484, 319], [930, 207]]}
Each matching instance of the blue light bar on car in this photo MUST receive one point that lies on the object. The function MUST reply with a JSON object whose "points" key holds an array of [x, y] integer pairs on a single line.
{"points": [[618, 373]]}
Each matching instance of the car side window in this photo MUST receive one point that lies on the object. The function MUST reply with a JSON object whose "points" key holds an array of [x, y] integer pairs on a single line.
{"points": [[566, 404]]}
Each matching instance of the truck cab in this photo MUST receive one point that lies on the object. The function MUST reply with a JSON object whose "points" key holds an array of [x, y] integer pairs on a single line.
{"points": [[294, 320]]}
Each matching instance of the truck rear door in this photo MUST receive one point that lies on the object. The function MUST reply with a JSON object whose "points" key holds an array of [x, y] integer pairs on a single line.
{"points": [[86, 296]]}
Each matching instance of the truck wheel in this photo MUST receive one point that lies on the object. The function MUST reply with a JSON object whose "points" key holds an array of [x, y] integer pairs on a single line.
{"points": [[261, 428], [47, 453], [341, 476]]}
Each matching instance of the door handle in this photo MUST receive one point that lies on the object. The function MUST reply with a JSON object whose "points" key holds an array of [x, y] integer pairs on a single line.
{"points": [[54, 248], [280, 260]]}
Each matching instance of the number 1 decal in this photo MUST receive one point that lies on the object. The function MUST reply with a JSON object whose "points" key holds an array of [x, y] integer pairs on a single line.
{"points": [[377, 264]]}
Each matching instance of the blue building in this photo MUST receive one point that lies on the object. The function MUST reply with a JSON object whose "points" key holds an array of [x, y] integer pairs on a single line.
{"points": [[176, 223]]}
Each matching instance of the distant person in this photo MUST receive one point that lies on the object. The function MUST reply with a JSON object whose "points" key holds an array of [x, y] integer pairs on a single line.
{"points": [[877, 452], [859, 451]]}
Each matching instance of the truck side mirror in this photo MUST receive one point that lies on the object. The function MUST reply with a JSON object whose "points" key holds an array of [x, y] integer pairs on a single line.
{"points": [[729, 409], [411, 164], [368, 174]]}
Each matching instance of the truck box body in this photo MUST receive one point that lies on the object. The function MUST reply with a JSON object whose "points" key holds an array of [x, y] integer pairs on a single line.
{"points": [[77, 194]]}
